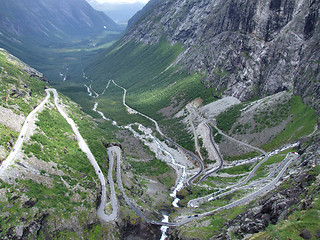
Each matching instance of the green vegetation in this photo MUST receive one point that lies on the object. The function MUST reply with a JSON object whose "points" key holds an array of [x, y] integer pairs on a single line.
{"points": [[226, 119], [241, 129], [272, 116], [112, 106], [96, 231], [121, 64], [151, 84], [204, 152], [66, 184], [218, 180], [291, 228], [49, 197], [243, 156], [237, 170], [216, 135], [194, 192], [216, 222], [94, 134], [6, 135], [301, 219], [263, 169], [175, 129], [53, 142], [67, 56], [303, 122], [222, 201], [150, 87], [155, 167], [41, 200], [18, 91], [218, 138], [171, 84]]}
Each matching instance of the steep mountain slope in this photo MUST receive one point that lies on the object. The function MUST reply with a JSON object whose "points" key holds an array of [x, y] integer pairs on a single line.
{"points": [[149, 6], [41, 193], [244, 48], [49, 188], [177, 51], [253, 160], [179, 56]]}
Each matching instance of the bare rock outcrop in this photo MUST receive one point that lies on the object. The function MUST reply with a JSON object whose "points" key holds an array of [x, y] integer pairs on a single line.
{"points": [[243, 48], [11, 119]]}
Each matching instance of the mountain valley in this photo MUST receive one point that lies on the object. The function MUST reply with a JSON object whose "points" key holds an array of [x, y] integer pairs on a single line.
{"points": [[199, 122], [55, 36]]}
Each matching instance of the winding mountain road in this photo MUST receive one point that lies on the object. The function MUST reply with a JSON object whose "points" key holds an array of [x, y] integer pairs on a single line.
{"points": [[196, 144], [218, 153], [257, 193], [112, 151], [195, 202], [84, 147], [131, 110], [116, 151], [252, 147], [17, 146], [193, 156], [228, 190]]}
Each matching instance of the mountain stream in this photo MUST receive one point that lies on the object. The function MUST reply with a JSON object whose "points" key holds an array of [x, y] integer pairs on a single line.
{"points": [[162, 152]]}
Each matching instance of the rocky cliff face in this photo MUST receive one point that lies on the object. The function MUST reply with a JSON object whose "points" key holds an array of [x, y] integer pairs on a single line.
{"points": [[244, 48]]}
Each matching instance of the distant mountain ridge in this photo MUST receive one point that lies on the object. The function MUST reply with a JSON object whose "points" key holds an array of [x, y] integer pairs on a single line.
{"points": [[49, 35], [119, 12], [50, 20], [148, 7]]}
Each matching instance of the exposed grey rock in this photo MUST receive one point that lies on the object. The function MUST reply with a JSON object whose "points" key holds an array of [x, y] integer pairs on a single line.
{"points": [[30, 203], [245, 48], [305, 234], [277, 205], [17, 93]]}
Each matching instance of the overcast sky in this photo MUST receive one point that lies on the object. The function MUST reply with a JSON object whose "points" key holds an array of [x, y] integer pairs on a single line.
{"points": [[123, 1]]}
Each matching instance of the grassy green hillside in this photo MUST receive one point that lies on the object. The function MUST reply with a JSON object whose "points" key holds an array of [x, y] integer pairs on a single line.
{"points": [[52, 186], [16, 80], [147, 73], [152, 83], [51, 189], [301, 121]]}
